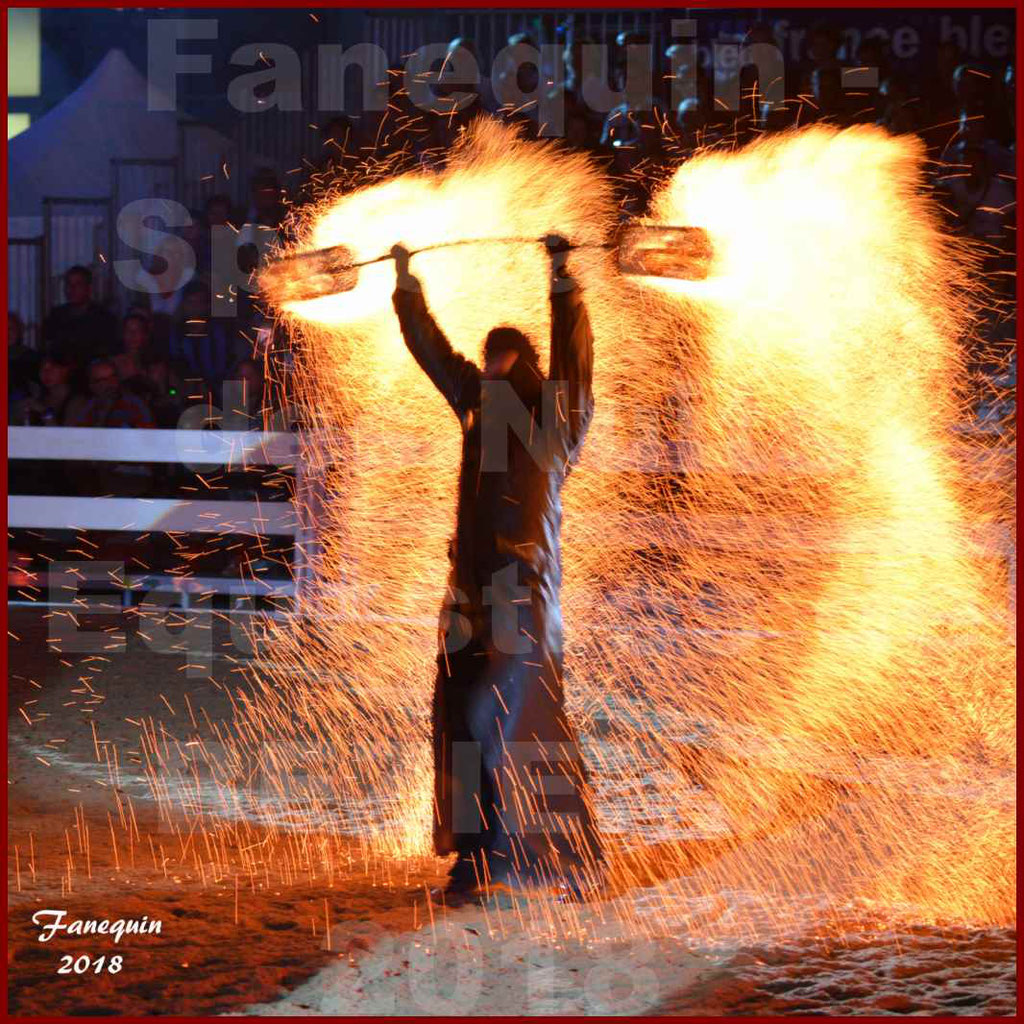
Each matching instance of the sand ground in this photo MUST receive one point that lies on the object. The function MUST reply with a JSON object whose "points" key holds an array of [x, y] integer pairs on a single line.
{"points": [[85, 836], [229, 944]]}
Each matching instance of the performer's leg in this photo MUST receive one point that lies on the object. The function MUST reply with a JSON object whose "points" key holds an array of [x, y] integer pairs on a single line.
{"points": [[444, 725], [540, 825], [461, 789]]}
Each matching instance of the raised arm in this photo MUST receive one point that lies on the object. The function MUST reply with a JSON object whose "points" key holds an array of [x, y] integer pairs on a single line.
{"points": [[572, 352], [453, 375]]}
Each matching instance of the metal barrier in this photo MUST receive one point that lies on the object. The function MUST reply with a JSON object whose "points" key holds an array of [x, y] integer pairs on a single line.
{"points": [[237, 449], [233, 449]]}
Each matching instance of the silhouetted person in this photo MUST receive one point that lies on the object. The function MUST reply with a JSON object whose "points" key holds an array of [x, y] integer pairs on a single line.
{"points": [[830, 104], [981, 198], [53, 401], [208, 346], [498, 700], [109, 404], [84, 326], [135, 346], [164, 391]]}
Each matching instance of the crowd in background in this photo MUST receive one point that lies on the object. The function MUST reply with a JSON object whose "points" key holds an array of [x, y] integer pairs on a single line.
{"points": [[169, 362], [167, 352], [964, 112], [170, 350]]}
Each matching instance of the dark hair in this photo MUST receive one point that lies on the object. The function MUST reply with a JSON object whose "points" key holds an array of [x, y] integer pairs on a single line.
{"points": [[508, 339], [264, 177], [79, 269], [826, 29], [828, 76], [141, 317], [340, 124], [152, 357], [59, 354]]}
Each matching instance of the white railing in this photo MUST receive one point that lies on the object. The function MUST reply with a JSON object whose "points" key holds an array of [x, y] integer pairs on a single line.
{"points": [[237, 449], [145, 515], [231, 449]]}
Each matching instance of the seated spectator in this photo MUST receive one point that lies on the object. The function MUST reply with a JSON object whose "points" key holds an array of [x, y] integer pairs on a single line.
{"points": [[22, 363], [636, 122], [752, 92], [979, 92], [263, 227], [251, 314], [577, 130], [85, 326], [749, 114], [972, 132], [873, 54], [340, 141], [519, 79], [135, 346], [568, 92], [899, 110], [626, 41], [830, 102], [972, 87], [435, 140], [110, 404], [689, 124], [634, 139], [340, 145], [208, 347], [464, 47], [862, 81], [823, 43], [639, 130], [780, 117], [981, 198], [54, 402], [161, 387], [821, 48], [171, 276], [217, 214], [165, 391], [265, 207]]}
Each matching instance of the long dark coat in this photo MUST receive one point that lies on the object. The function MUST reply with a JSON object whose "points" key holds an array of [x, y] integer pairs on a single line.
{"points": [[510, 783]]}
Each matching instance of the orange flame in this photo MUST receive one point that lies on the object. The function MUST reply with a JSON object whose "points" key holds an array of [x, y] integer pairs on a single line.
{"points": [[820, 599]]}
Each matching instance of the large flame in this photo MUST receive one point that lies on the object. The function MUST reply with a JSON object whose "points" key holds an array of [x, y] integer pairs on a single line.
{"points": [[820, 598]]}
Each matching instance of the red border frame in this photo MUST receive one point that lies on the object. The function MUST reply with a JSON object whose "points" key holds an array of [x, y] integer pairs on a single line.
{"points": [[449, 5]]}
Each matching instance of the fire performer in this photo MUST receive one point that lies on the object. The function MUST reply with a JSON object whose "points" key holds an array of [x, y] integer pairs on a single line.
{"points": [[510, 786]]}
